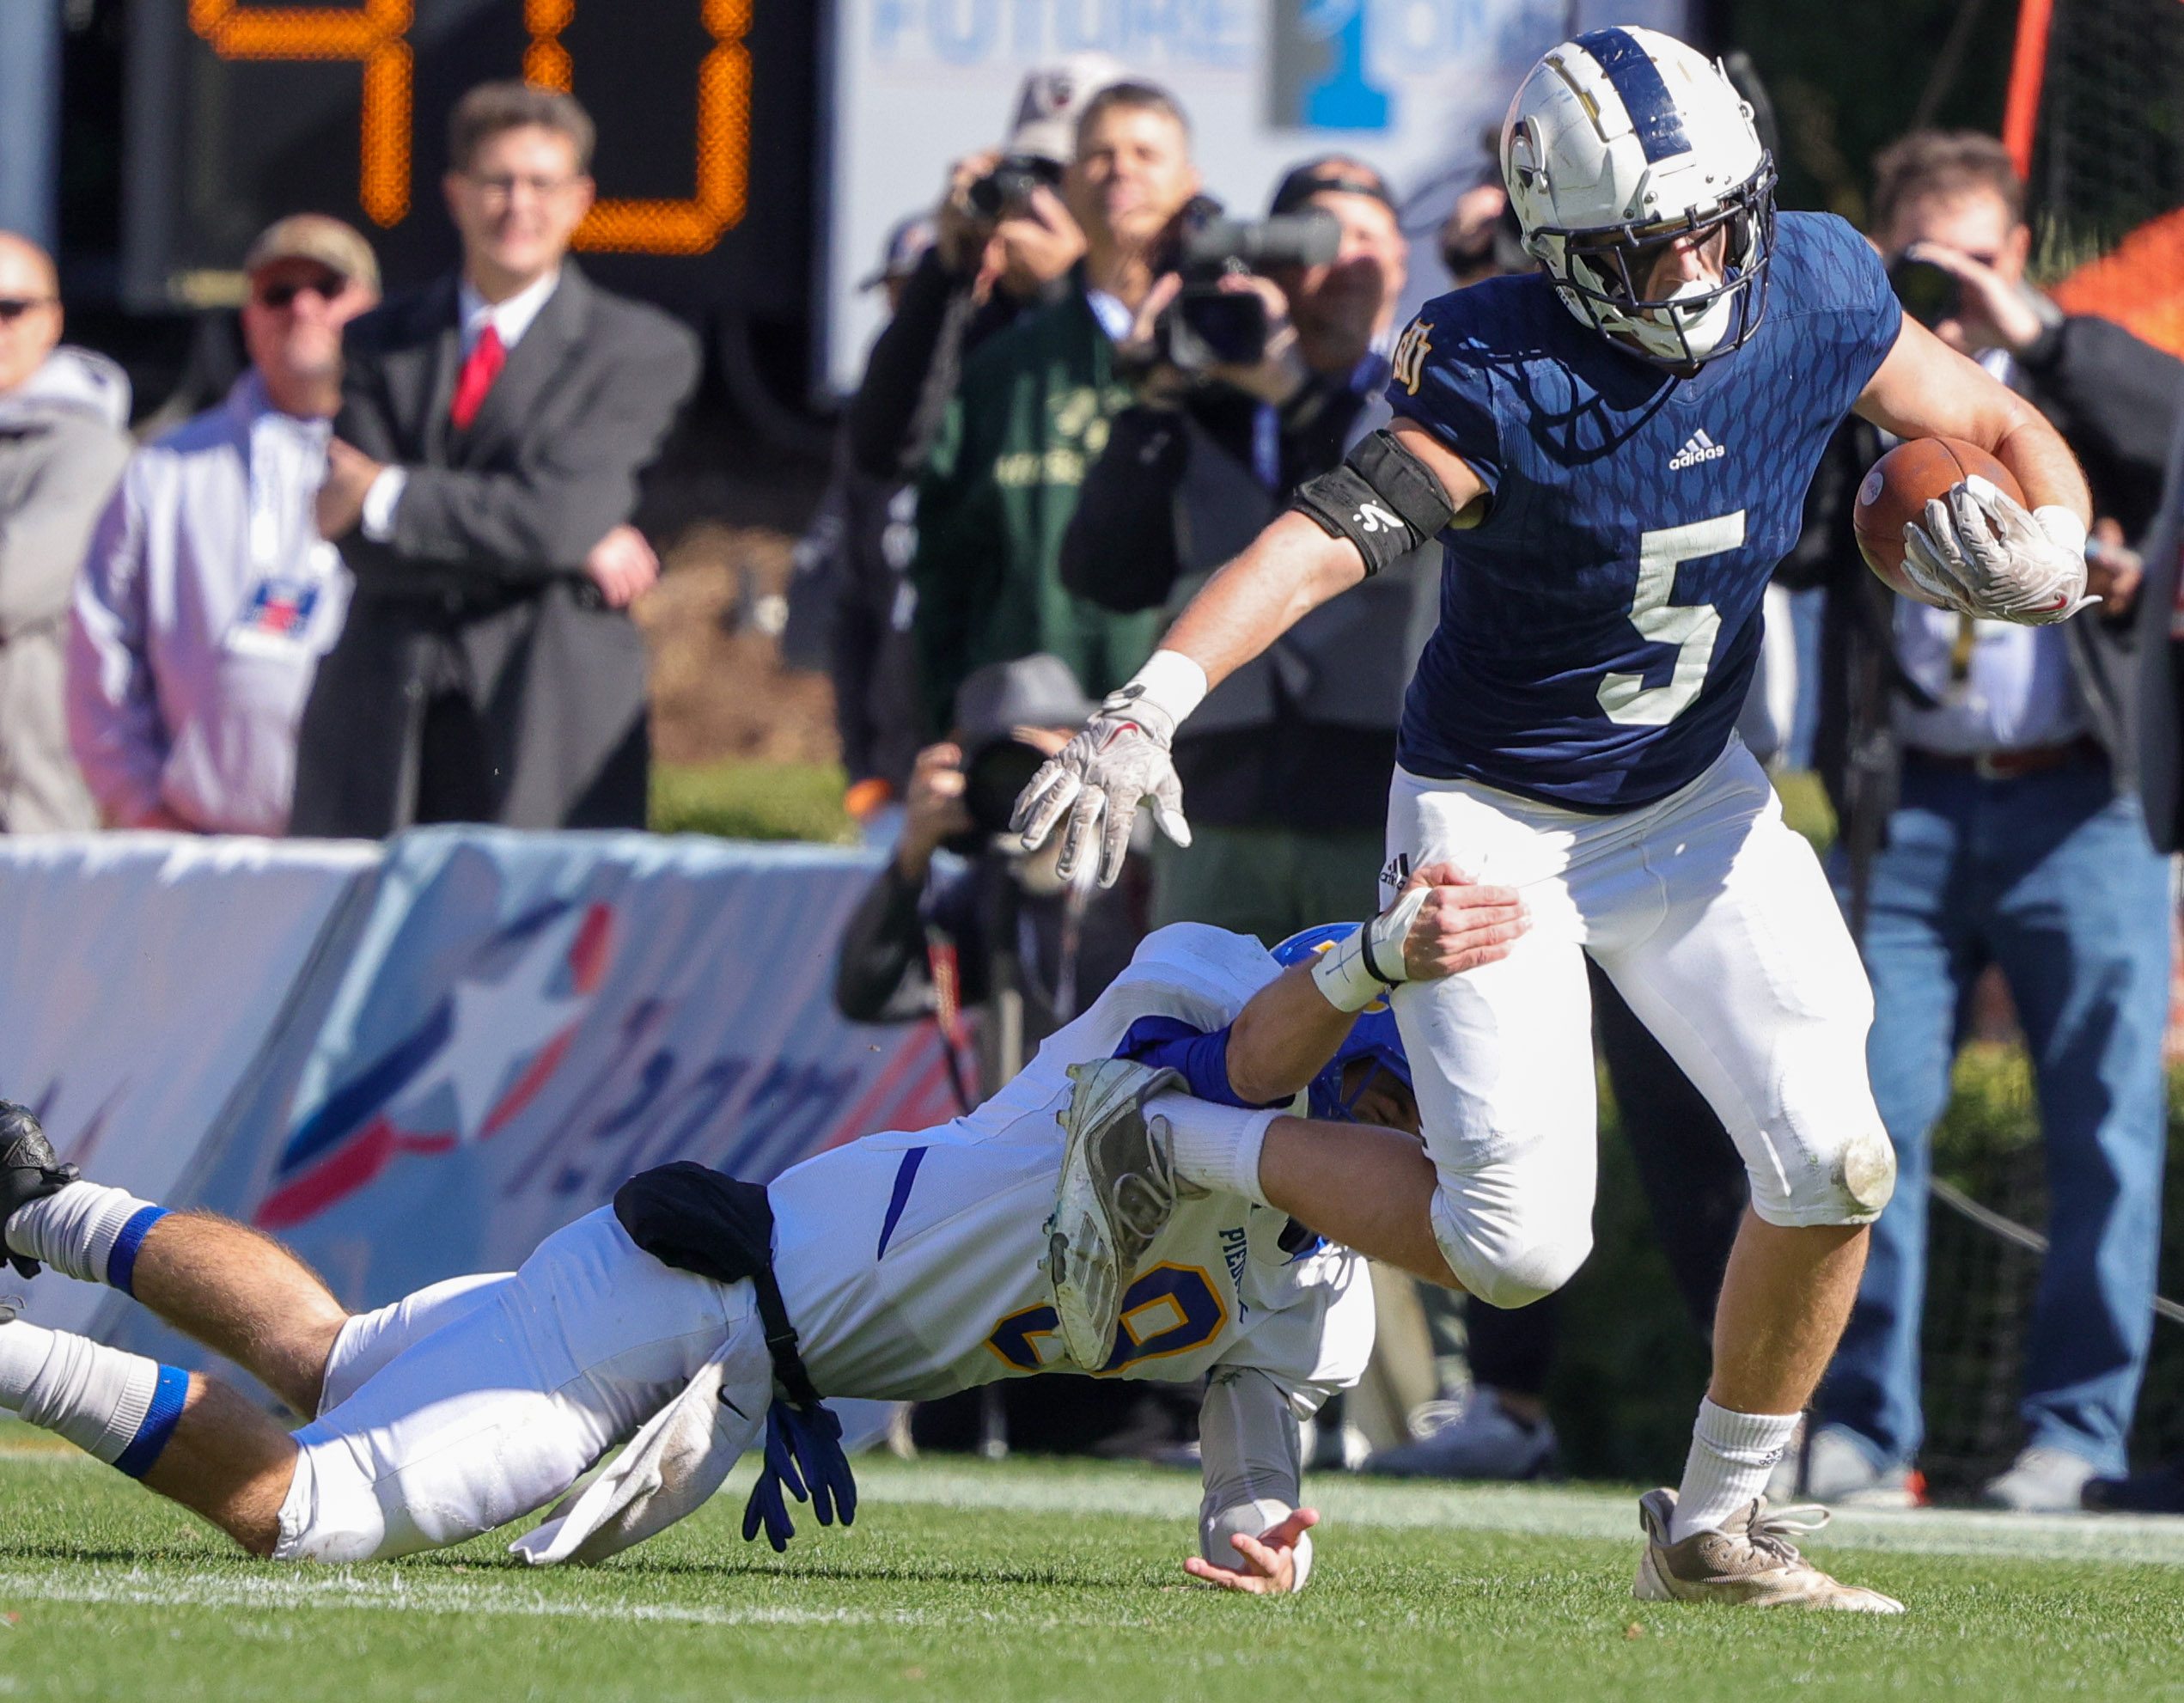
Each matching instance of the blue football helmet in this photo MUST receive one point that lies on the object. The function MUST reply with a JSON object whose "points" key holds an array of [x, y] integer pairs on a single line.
{"points": [[1374, 1035]]}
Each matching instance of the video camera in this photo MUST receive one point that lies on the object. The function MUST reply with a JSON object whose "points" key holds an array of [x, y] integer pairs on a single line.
{"points": [[1207, 325], [1005, 191]]}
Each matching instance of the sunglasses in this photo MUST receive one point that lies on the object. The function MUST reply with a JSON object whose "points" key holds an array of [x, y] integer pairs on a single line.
{"points": [[13, 308], [282, 295]]}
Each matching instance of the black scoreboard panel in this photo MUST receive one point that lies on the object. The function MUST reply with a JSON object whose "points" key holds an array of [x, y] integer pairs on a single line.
{"points": [[706, 109]]}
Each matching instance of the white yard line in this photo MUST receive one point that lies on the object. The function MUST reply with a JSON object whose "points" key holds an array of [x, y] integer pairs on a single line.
{"points": [[387, 1590], [1535, 1511]]}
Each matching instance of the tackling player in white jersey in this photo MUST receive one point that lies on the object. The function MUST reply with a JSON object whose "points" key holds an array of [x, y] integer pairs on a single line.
{"points": [[1614, 450], [900, 1267]]}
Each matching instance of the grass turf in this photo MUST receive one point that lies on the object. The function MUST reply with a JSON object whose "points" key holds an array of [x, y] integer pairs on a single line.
{"points": [[1028, 1580]]}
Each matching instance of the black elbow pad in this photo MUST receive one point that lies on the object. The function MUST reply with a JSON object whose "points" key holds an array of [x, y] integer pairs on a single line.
{"points": [[1382, 498]]}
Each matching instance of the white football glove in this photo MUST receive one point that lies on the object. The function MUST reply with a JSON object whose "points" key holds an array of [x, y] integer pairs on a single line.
{"points": [[1121, 756], [1981, 554]]}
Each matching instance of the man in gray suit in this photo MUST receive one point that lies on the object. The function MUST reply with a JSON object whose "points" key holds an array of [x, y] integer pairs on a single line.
{"points": [[493, 429]]}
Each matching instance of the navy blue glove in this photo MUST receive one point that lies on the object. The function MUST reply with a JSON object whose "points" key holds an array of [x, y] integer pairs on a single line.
{"points": [[803, 1447]]}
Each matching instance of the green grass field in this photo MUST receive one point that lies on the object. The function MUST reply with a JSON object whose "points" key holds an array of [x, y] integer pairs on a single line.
{"points": [[1054, 1580]]}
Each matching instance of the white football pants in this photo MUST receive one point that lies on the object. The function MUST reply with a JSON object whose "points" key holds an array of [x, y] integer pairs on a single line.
{"points": [[1713, 919], [480, 1400]]}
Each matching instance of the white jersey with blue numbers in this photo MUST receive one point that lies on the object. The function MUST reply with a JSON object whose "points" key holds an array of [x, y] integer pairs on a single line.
{"points": [[1599, 629], [910, 1262]]}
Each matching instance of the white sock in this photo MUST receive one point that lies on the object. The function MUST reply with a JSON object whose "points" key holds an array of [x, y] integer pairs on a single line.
{"points": [[1732, 1456], [86, 1230], [120, 1408], [1215, 1146]]}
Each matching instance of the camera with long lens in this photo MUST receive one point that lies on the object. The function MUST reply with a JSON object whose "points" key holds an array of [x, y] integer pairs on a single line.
{"points": [[1929, 293], [1206, 325], [1005, 191]]}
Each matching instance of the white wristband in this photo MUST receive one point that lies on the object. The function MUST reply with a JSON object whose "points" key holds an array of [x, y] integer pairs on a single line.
{"points": [[1171, 682], [1362, 967]]}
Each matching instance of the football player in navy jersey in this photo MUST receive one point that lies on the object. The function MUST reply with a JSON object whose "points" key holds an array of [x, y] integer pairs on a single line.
{"points": [[1617, 447]]}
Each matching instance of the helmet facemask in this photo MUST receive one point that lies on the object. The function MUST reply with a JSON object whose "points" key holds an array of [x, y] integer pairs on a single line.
{"points": [[1602, 275]]}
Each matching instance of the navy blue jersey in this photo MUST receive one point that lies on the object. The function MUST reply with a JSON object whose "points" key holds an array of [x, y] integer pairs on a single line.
{"points": [[1599, 630]]}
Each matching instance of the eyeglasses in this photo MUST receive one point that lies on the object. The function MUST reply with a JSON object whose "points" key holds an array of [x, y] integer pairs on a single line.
{"points": [[277, 296], [504, 188], [13, 308]]}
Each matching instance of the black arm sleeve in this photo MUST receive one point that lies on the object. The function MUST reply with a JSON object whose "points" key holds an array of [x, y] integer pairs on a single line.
{"points": [[1120, 549], [2114, 399]]}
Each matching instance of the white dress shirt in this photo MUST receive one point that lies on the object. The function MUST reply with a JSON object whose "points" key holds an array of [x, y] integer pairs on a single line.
{"points": [[206, 601], [510, 318]]}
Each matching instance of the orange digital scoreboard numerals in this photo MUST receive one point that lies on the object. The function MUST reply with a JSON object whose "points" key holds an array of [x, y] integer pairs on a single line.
{"points": [[372, 33], [723, 141]]}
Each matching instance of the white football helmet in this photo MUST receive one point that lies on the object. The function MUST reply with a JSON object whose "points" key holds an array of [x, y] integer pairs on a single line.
{"points": [[1623, 141]]}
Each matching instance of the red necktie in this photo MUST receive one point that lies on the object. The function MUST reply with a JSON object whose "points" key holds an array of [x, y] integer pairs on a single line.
{"points": [[483, 366]]}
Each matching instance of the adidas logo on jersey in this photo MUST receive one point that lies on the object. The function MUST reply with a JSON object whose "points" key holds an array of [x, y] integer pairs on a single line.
{"points": [[1696, 447]]}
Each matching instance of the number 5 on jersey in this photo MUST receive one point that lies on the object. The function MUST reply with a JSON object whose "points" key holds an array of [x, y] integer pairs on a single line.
{"points": [[1690, 628]]}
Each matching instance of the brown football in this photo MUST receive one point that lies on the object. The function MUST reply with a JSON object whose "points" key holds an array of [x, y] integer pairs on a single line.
{"points": [[1898, 486]]}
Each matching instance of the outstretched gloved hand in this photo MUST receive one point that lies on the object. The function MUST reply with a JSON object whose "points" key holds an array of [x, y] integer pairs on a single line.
{"points": [[1096, 780], [1978, 551], [804, 1446]]}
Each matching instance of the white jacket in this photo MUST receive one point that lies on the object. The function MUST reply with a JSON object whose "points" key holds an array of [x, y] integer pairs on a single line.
{"points": [[200, 617]]}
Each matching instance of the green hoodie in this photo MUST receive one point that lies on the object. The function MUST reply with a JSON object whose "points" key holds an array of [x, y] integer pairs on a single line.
{"points": [[1029, 416]]}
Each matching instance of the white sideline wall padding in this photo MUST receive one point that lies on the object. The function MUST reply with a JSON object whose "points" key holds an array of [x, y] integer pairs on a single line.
{"points": [[140, 974]]}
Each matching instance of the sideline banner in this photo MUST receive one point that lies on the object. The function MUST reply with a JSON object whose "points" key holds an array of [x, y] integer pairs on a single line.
{"points": [[142, 973], [525, 1020]]}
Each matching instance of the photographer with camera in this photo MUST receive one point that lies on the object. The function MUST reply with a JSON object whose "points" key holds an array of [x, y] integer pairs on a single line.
{"points": [[994, 931], [1003, 244], [1260, 359], [1032, 411]]}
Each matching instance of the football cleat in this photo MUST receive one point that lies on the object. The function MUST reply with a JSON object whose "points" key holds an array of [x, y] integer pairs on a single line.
{"points": [[1118, 1189], [29, 1170], [1749, 1561]]}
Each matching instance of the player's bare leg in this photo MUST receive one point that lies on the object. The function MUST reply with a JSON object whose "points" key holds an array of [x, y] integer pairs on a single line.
{"points": [[1785, 1302], [187, 1438], [243, 1296], [1369, 1188], [228, 1462]]}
